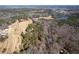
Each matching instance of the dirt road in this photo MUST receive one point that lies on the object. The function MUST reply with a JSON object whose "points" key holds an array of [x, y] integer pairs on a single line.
{"points": [[13, 42]]}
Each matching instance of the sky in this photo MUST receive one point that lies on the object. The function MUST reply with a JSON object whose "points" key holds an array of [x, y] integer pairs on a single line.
{"points": [[39, 2]]}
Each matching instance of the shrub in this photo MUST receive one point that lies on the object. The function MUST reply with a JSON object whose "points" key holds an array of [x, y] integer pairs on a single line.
{"points": [[32, 34], [2, 21]]}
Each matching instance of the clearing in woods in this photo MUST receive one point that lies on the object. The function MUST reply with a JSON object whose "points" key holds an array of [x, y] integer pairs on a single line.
{"points": [[13, 42]]}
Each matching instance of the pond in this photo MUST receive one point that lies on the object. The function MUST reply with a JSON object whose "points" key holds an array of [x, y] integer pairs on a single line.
{"points": [[63, 17]]}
